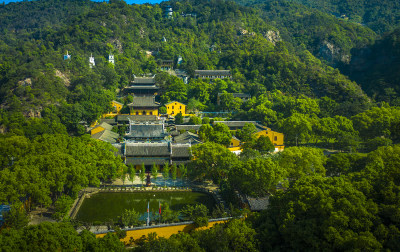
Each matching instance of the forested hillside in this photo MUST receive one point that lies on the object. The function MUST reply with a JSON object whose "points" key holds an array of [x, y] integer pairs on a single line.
{"points": [[324, 35], [23, 18], [379, 15], [376, 68], [34, 75]]}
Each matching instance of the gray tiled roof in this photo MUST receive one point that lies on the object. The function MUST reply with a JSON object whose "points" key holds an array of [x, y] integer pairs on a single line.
{"points": [[106, 136], [146, 130], [118, 146], [144, 80], [144, 150], [144, 101], [174, 133], [147, 149], [187, 137], [150, 87], [109, 121], [241, 124], [239, 95], [188, 127], [105, 125], [213, 72], [137, 118], [180, 150], [258, 204], [118, 102]]}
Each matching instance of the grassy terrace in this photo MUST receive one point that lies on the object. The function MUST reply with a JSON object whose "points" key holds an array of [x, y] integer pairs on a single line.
{"points": [[105, 206]]}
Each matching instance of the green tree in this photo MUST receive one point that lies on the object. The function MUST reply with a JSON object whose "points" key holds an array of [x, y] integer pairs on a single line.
{"points": [[130, 218], [263, 144], [197, 213], [211, 161], [297, 128], [183, 170], [162, 110], [194, 120], [168, 215], [16, 217], [256, 176], [123, 174], [154, 172], [302, 161], [205, 120], [173, 172], [131, 172], [229, 102], [142, 174], [234, 235], [320, 213], [246, 134], [376, 122], [166, 170], [343, 163], [179, 118], [219, 133], [62, 206]]}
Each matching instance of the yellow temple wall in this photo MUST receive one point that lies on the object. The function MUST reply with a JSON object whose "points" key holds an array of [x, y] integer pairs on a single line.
{"points": [[165, 232]]}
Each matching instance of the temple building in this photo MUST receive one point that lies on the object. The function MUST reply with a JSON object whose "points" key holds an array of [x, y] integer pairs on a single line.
{"points": [[146, 132], [116, 109], [275, 137], [212, 74], [174, 108], [242, 96], [187, 138], [92, 63], [168, 11], [142, 86], [144, 105], [155, 153], [166, 65], [111, 59]]}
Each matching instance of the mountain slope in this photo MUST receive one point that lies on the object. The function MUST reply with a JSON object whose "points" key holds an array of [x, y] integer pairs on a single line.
{"points": [[376, 68], [326, 36], [238, 34]]}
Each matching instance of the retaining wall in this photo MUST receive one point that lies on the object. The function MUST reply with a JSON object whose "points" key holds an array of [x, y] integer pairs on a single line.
{"points": [[162, 230]]}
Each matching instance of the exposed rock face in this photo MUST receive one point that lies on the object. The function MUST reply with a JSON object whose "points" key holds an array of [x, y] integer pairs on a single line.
{"points": [[331, 53], [117, 44], [63, 77], [273, 36], [243, 31], [32, 113], [26, 82], [142, 33]]}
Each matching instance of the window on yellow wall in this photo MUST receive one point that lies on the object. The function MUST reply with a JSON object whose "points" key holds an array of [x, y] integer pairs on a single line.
{"points": [[180, 107], [144, 112], [137, 112], [172, 107], [276, 138], [151, 113]]}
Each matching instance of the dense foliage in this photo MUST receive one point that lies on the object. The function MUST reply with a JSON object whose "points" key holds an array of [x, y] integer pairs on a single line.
{"points": [[50, 166], [380, 15], [375, 68], [326, 36]]}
